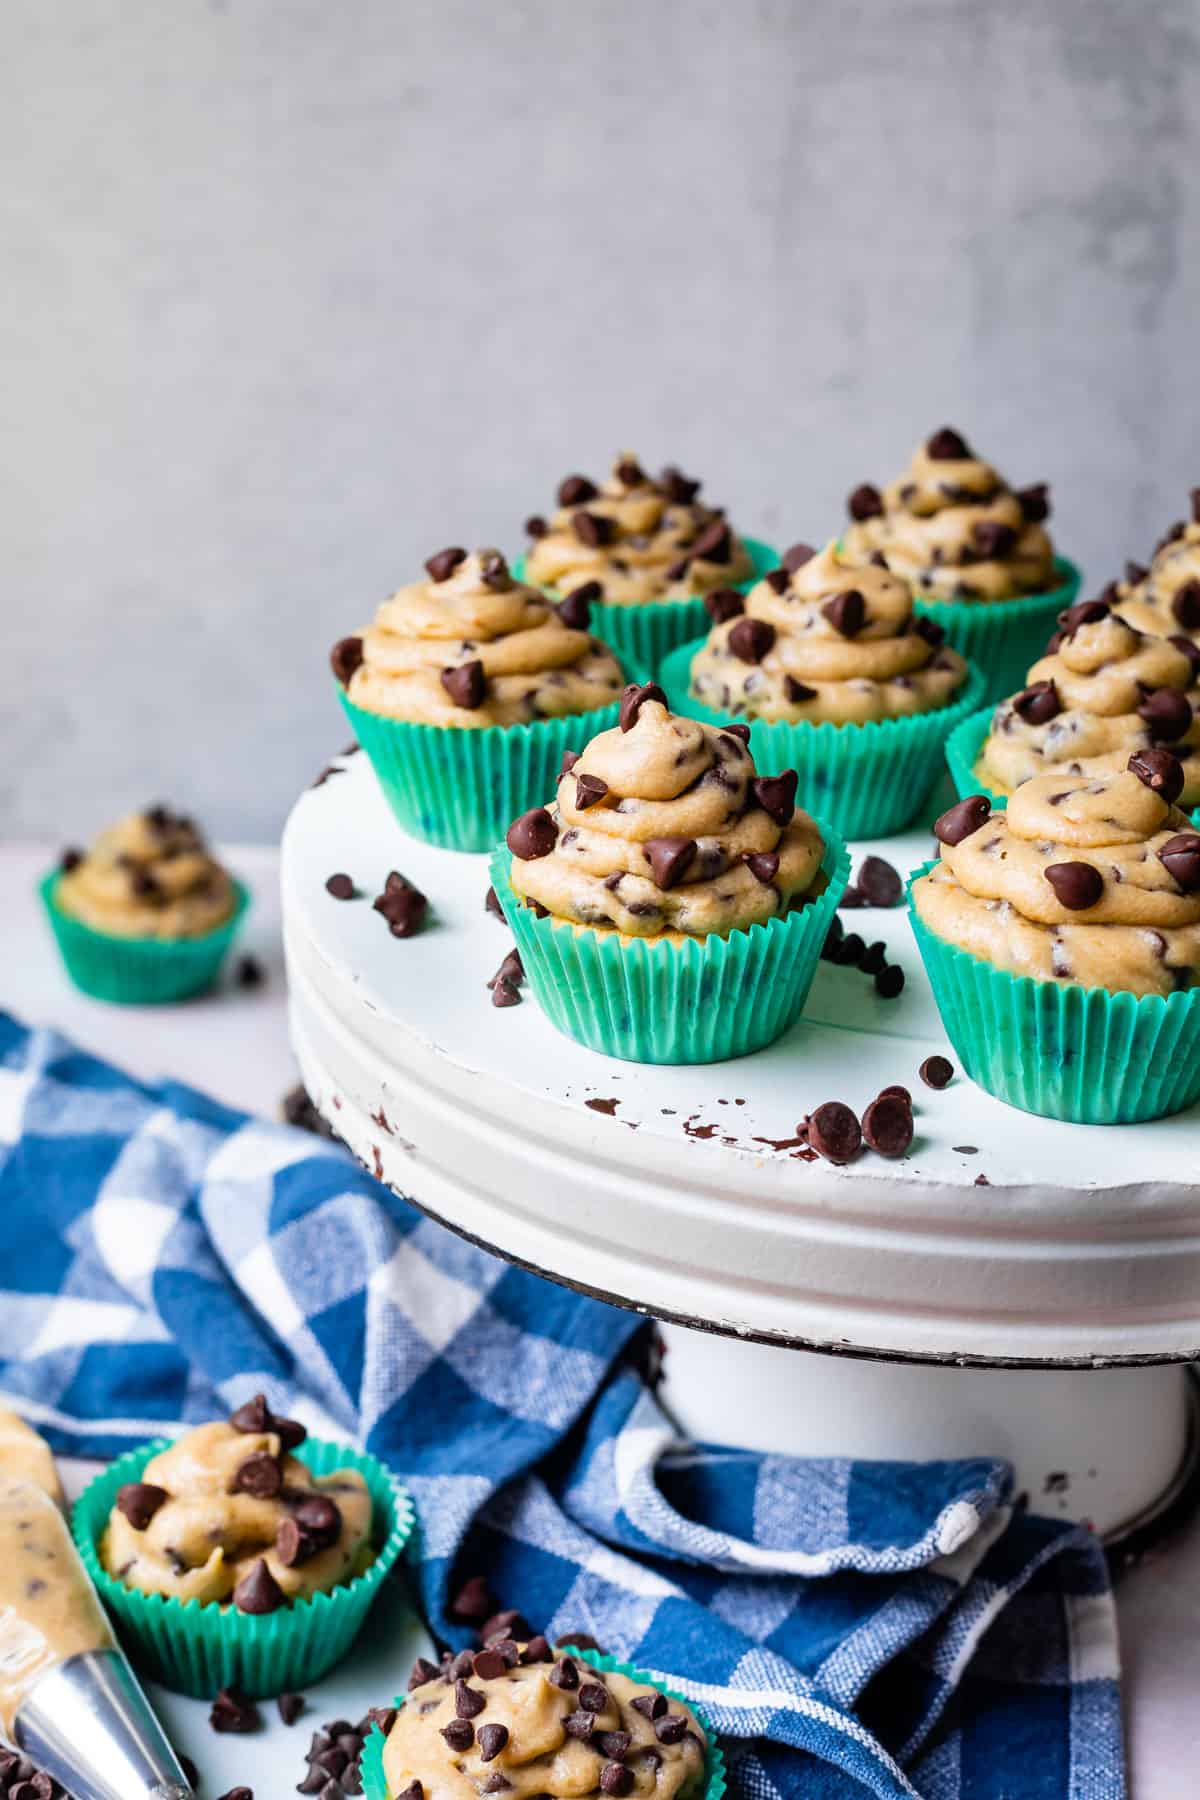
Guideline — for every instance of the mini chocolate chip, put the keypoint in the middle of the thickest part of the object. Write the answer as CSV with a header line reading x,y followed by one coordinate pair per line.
x,y
724,603
589,791
1084,612
669,858
930,630
846,612
795,557
1180,856
715,543
796,691
751,639
776,580
879,882
1167,713
139,1501
459,1734
575,490
1034,502
651,1706
402,905
993,538
468,1701
259,1592
536,526
776,794
1078,885
345,657
593,1696
887,1125
1186,605
615,1778
492,1739
1038,704
634,698
889,982
962,820
489,1664
466,684
937,1071
260,1476
443,563
70,859
947,446
533,835
341,887
231,1711
565,1674
575,610
834,1133
865,502
762,864
290,1706
1160,771
537,1650
593,529
671,1728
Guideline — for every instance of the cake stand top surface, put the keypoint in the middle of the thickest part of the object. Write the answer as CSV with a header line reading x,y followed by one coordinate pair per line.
x,y
685,1191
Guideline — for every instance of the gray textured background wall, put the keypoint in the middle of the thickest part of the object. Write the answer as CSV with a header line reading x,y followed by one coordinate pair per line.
x,y
295,292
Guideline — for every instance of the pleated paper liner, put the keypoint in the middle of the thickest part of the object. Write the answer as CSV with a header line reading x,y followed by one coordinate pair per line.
x,y
867,780
1003,638
462,789
139,971
644,634
371,1762
962,753
1061,1050
196,1648
654,1001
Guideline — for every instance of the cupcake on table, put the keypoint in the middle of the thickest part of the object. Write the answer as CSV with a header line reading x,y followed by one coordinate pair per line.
x,y
1166,596
645,550
1062,941
839,680
975,551
1104,690
464,691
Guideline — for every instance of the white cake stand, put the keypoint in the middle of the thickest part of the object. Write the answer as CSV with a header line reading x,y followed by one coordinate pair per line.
x,y
1045,1313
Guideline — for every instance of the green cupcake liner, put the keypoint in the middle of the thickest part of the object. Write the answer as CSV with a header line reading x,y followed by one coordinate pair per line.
x,y
462,789
371,1762
867,780
196,1648
704,1001
1062,1050
1004,638
139,971
962,753
645,634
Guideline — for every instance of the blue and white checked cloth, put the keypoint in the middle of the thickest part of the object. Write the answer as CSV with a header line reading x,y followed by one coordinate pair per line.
x,y
852,1629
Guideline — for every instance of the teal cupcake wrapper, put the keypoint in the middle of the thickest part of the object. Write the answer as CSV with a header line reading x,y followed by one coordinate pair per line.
x,y
139,971
657,1002
962,753
1062,1050
462,789
196,1648
867,780
1003,638
716,1779
644,635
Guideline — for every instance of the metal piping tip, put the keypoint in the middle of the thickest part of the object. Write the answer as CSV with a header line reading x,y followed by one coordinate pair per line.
x,y
87,1722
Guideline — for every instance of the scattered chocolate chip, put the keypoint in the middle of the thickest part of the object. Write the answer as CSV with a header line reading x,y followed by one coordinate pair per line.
x,y
402,905
796,691
879,883
444,562
533,835
1084,612
887,1125
1078,885
593,1696
341,887
846,612
670,1729
473,1601
459,1734
724,603
651,1706
751,639
593,529
1038,704
259,1592
231,1712
1034,502
763,865
290,1706
189,1768
249,973
1180,856
896,1092
670,858
947,446
615,1778
589,791
565,1674
633,699
512,969
776,794
504,992
576,490
238,1793
492,1739
834,1133
345,657
260,1476
536,526
1168,715
849,950
1186,605
889,982
139,1501
962,820
865,502
1160,771
993,538
575,610
937,1071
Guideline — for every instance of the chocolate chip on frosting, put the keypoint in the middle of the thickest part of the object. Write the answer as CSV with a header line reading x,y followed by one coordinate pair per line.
x,y
1034,502
796,555
615,1778
961,821
442,564
260,1476
593,529
575,610
1168,714
259,1592
796,691
865,502
763,865
724,603
776,794
670,858
1180,857
466,684
589,791
139,1501
345,657
993,538
1186,605
1160,771
634,698
1038,704
492,1740
534,834
459,1734
846,612
751,639
777,580
576,490
947,446
1084,612
715,543
1078,885
536,526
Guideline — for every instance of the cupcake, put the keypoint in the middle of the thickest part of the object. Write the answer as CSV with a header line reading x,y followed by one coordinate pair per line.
x,y
147,914
241,1554
1062,941
525,1718
839,680
671,904
645,552
975,551
1105,690
1166,596
465,691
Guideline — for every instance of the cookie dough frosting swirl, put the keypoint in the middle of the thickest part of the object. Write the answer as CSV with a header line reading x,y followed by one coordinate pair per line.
x,y
228,1514
1090,879
470,647
663,828
639,538
1105,690
525,1720
953,527
1166,596
819,639
150,875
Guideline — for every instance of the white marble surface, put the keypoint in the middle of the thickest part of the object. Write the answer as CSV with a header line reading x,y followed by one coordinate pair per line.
x,y
234,1044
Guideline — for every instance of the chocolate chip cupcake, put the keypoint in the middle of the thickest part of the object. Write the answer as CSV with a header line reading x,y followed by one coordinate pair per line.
x,y
244,1554
1104,690
670,905
1165,597
526,1719
839,680
644,551
974,550
1062,941
464,691
147,914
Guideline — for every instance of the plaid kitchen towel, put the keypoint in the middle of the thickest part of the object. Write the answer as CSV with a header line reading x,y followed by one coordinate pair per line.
x,y
851,1629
